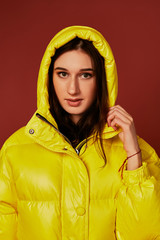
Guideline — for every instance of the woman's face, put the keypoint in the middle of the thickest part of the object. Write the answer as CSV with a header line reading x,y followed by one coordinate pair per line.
x,y
74,82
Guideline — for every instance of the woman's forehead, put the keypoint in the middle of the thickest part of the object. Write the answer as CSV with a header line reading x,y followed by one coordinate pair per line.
x,y
74,59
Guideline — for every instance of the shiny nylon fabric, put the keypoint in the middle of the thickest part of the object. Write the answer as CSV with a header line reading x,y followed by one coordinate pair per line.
x,y
47,191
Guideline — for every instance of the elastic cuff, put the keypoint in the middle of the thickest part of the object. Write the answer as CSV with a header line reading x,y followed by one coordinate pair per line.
x,y
136,176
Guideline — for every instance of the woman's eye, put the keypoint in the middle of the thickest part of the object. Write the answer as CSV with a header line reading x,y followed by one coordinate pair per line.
x,y
62,74
86,75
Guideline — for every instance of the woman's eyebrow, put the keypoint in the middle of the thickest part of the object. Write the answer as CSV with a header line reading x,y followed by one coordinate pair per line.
x,y
60,68
83,69
87,69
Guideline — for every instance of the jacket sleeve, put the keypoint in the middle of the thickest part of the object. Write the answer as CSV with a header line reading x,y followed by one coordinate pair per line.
x,y
8,213
138,201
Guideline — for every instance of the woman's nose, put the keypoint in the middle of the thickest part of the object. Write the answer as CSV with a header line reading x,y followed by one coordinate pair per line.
x,y
73,86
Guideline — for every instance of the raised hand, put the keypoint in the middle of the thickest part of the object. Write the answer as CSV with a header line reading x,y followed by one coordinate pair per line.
x,y
119,118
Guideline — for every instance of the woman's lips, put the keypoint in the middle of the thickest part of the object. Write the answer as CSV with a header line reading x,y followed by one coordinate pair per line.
x,y
74,102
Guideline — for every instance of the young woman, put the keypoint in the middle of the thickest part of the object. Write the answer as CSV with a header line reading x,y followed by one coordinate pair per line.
x,y
77,171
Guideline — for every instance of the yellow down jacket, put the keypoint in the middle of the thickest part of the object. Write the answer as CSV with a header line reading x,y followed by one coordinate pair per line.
x,y
50,191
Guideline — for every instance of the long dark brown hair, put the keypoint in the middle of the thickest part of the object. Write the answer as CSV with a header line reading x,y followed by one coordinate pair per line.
x,y
94,119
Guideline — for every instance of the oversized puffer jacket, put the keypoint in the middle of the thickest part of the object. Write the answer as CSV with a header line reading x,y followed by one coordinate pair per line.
x,y
51,191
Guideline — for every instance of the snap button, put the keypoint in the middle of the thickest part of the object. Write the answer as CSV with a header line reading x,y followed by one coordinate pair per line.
x,y
80,211
31,131
65,148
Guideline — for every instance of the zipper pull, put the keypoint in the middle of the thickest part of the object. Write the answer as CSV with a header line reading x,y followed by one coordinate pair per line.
x,y
77,151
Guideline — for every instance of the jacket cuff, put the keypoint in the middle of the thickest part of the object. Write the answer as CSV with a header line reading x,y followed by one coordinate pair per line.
x,y
136,176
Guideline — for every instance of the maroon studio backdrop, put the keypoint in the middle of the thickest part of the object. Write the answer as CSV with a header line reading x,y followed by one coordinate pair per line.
x,y
132,29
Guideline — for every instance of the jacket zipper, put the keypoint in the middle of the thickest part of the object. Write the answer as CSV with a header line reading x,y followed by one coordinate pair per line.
x,y
79,146
77,149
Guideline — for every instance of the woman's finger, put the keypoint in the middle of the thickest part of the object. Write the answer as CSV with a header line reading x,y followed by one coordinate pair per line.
x,y
121,110
119,122
119,107
118,114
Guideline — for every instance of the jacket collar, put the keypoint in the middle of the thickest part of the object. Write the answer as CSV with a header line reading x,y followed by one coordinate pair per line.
x,y
45,132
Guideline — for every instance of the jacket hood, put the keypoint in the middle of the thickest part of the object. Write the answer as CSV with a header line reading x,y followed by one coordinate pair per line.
x,y
59,40
45,134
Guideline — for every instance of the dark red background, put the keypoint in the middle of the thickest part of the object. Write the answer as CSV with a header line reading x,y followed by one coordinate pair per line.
x,y
132,29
